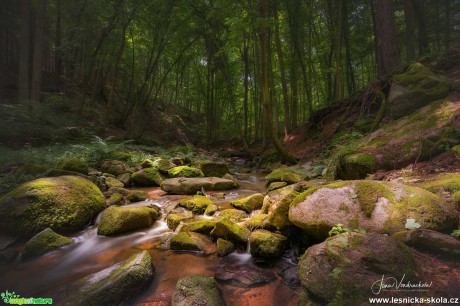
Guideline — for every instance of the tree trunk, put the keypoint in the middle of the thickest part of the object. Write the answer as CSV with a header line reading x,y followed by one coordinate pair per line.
x,y
24,52
410,29
265,82
387,44
38,51
57,50
338,93
447,24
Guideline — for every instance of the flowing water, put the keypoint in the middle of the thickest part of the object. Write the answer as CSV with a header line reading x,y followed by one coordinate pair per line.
x,y
48,275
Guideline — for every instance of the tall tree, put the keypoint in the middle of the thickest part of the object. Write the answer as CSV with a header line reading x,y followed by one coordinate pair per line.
x,y
24,52
38,51
409,18
387,43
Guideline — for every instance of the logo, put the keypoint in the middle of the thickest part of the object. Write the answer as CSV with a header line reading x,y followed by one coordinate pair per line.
x,y
15,299
392,284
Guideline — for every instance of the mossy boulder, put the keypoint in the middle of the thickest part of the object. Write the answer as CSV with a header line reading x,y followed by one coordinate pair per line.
x,y
115,284
413,89
137,196
148,177
224,247
283,174
146,163
278,212
43,242
276,185
329,270
193,185
118,220
115,167
197,204
258,222
185,171
229,230
163,165
356,166
113,182
374,206
125,178
265,244
233,214
183,242
197,290
211,210
175,218
65,204
212,168
431,242
73,164
116,199
201,226
249,203
446,182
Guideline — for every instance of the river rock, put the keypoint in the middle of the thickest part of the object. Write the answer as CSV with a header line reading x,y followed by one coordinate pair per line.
x,y
229,230
233,214
374,206
73,164
212,168
65,204
352,265
258,222
147,177
224,247
163,165
431,241
185,171
117,220
115,167
197,290
249,203
283,174
265,244
193,185
115,284
244,275
356,166
43,242
113,182
197,204
201,226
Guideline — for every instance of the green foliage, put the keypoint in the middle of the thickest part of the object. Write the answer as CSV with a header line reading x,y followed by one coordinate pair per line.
x,y
455,234
340,229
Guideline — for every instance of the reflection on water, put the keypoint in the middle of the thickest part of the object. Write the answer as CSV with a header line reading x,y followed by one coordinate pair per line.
x,y
48,275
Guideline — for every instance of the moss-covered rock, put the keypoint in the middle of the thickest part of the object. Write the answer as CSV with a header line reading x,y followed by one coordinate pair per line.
x,y
211,210
211,168
431,242
163,165
185,171
276,185
265,244
113,182
117,220
73,164
193,185
116,199
356,166
224,247
249,203
197,204
147,177
115,167
415,88
65,204
146,163
113,285
446,182
43,242
183,242
229,230
233,214
202,226
278,213
258,222
283,174
197,290
328,270
125,178
137,196
374,206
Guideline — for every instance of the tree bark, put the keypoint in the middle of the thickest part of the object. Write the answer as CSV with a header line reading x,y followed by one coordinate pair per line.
x,y
387,44
38,51
24,53
409,19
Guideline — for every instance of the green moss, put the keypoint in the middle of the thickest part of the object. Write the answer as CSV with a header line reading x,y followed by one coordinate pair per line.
x,y
115,167
224,247
73,164
113,183
250,203
185,171
197,204
414,74
456,198
116,199
265,244
173,220
117,220
356,166
302,196
229,230
43,242
233,214
449,182
163,165
258,222
368,194
147,177
183,242
202,226
65,204
344,207
137,196
211,210
283,174
278,215
276,185
211,168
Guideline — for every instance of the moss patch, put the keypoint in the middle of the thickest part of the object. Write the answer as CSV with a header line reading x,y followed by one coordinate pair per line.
x,y
211,168
233,214
73,164
449,182
224,247
147,177
183,242
117,220
356,166
265,244
250,203
368,194
185,171
202,226
197,204
43,242
229,230
283,174
116,199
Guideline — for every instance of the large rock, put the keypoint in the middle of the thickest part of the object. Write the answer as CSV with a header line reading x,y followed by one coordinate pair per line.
x,y
413,89
201,226
284,174
43,242
163,165
224,247
211,168
233,214
197,204
190,241
115,284
431,241
65,204
113,183
117,220
265,244
346,269
249,203
147,177
115,167
374,206
356,166
73,164
229,230
244,275
185,171
193,185
197,290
